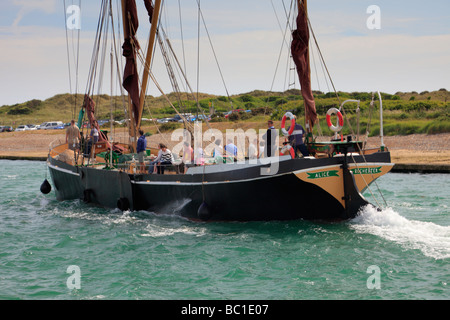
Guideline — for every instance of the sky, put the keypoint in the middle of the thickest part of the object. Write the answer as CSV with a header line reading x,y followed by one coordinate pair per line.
x,y
409,50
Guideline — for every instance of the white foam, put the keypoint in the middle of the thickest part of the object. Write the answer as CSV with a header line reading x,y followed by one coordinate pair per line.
x,y
431,239
156,231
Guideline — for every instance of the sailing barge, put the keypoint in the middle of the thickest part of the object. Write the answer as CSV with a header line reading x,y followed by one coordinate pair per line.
x,y
326,185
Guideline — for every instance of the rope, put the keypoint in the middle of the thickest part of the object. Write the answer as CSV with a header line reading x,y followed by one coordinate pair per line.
x,y
374,180
212,48
76,55
286,28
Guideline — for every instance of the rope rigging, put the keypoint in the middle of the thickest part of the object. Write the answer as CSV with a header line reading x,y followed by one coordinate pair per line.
x,y
75,54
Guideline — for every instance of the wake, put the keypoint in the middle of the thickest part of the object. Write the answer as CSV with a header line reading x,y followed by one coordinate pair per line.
x,y
431,239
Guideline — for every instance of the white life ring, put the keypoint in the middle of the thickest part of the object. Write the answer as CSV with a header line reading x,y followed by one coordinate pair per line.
x,y
283,123
340,123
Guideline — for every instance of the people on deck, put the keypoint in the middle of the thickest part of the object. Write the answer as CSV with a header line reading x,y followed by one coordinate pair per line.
x,y
253,149
93,138
140,149
231,150
218,151
188,155
73,136
94,132
296,140
199,156
270,137
164,158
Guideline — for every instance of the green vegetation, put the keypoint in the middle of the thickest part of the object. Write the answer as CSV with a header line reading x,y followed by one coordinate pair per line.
x,y
404,113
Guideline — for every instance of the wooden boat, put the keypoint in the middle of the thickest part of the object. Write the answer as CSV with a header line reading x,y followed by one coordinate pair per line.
x,y
326,185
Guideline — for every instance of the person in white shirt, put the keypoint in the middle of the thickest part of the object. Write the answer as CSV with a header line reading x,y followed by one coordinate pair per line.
x,y
218,151
253,149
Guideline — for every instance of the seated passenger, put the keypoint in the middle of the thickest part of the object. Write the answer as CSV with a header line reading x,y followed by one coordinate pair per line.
x,y
163,159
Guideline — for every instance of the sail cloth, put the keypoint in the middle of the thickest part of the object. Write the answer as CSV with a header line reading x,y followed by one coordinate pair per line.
x,y
130,46
300,55
149,7
89,106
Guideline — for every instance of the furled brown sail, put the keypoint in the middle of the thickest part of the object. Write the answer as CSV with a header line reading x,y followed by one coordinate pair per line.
x,y
130,46
300,55
89,106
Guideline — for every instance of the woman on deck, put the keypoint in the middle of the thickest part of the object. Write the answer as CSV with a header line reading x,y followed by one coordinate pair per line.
x,y
163,159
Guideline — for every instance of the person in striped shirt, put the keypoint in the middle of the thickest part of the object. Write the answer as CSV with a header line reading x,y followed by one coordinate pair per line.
x,y
163,159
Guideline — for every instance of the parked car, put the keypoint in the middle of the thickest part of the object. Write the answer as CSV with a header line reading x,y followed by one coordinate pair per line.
x,y
41,126
233,111
22,127
176,118
163,120
199,118
6,129
31,127
179,118
53,125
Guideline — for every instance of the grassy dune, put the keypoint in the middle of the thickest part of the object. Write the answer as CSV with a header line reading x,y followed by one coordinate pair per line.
x,y
404,113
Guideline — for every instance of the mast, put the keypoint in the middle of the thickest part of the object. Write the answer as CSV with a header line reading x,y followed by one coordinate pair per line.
x,y
148,60
308,124
305,5
300,55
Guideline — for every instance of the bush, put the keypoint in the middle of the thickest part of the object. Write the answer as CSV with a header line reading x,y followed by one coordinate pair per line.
x,y
19,110
280,101
247,98
169,126
237,116
217,117
262,110
222,98
436,127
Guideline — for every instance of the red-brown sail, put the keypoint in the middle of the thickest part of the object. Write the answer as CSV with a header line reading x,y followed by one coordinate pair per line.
x,y
89,106
130,46
149,7
300,55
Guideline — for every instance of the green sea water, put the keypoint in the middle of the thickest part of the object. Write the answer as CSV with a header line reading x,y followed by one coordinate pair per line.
x,y
73,251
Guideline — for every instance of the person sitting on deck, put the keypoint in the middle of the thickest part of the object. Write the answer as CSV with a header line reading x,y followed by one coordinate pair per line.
x,y
218,151
231,150
163,159
187,156
253,149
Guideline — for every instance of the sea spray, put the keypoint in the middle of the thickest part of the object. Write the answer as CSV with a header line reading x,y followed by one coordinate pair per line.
x,y
431,239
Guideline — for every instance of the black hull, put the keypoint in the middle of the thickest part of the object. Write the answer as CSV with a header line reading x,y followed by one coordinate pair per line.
x,y
224,193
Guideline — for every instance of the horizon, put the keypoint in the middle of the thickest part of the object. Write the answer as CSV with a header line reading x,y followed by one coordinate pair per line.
x,y
247,43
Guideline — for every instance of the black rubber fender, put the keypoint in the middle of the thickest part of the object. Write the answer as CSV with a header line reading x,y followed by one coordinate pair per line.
x,y
87,195
204,212
46,187
123,204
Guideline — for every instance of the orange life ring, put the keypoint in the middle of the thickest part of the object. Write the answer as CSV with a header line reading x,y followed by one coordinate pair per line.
x,y
283,123
340,123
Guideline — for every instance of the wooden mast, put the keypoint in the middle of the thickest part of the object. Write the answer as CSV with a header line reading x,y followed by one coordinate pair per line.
x,y
131,124
148,60
304,3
